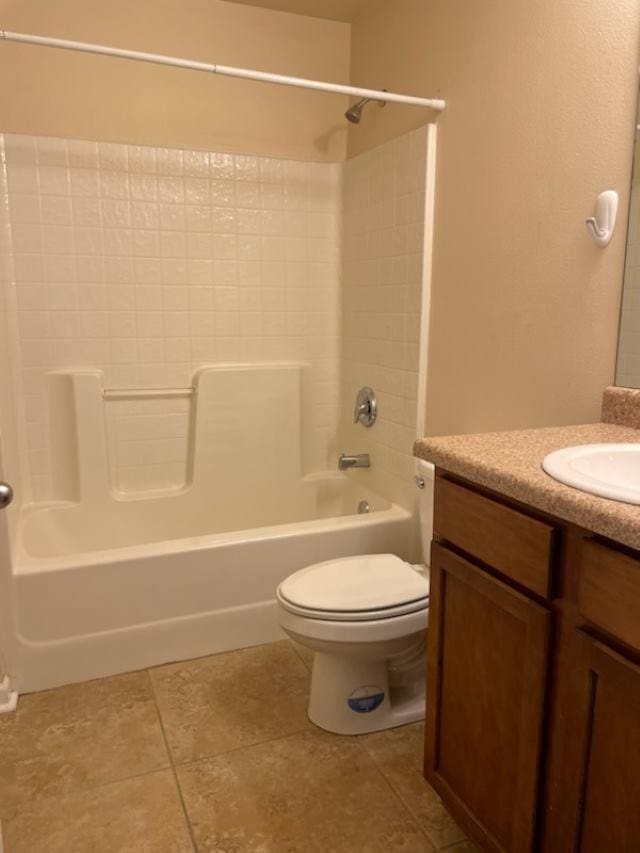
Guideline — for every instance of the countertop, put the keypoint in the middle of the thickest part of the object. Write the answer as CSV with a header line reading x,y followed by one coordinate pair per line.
x,y
510,463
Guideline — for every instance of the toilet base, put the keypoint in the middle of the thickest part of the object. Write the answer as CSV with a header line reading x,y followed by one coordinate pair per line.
x,y
352,696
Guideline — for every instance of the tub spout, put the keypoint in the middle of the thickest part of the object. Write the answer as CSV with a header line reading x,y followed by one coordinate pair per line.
x,y
358,460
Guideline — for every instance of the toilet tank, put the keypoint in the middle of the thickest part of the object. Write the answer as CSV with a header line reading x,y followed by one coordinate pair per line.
x,y
425,476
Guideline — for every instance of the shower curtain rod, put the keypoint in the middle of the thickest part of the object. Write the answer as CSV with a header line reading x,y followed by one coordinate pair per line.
x,y
226,70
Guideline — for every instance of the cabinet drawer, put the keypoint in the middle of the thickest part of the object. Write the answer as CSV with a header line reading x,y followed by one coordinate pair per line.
x,y
515,544
609,591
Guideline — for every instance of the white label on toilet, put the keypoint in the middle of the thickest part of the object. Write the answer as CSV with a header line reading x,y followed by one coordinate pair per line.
x,y
366,699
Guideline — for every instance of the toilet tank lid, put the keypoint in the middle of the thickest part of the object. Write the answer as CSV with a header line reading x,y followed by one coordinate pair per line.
x,y
365,582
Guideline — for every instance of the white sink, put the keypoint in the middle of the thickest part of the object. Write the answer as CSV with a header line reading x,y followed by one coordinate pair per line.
x,y
608,470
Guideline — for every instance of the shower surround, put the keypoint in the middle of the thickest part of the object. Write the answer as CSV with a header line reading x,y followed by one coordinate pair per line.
x,y
186,329
148,263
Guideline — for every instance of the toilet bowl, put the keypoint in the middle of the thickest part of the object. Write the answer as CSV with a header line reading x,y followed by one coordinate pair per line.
x,y
365,618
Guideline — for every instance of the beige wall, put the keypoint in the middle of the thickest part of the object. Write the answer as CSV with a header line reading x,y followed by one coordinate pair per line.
x,y
628,362
541,100
56,93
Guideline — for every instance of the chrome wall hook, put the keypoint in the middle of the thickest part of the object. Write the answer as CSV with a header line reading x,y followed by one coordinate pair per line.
x,y
602,225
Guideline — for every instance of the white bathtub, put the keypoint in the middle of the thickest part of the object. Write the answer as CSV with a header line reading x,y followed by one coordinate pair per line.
x,y
142,583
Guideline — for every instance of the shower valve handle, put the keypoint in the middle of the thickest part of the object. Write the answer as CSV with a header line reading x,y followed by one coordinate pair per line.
x,y
366,408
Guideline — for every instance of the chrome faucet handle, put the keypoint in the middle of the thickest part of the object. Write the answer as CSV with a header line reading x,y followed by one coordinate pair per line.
x,y
366,409
362,409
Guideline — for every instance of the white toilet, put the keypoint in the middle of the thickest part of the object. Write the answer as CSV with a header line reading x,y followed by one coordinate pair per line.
x,y
365,618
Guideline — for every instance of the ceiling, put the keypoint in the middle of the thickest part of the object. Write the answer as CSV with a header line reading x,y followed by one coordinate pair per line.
x,y
332,10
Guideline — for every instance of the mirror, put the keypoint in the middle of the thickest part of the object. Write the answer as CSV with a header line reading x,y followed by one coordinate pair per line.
x,y
628,362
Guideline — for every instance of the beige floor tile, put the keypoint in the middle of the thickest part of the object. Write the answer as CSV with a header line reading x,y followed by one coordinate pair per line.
x,y
226,701
311,791
78,736
465,846
399,753
142,815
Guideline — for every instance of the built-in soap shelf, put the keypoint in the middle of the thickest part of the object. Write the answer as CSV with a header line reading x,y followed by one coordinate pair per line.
x,y
146,393
233,426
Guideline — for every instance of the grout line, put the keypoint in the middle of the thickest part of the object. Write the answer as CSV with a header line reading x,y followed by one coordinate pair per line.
x,y
172,766
184,661
176,763
395,794
88,786
408,807
74,792
226,752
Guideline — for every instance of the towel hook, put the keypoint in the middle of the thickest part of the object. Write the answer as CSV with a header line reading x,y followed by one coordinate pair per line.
x,y
602,225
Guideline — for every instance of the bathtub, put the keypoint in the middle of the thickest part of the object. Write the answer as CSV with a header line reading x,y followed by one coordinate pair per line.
x,y
142,582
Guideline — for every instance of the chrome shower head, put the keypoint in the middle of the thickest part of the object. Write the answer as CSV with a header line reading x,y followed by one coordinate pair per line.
x,y
354,113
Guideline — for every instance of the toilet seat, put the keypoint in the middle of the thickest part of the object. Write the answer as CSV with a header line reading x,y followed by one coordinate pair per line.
x,y
356,589
356,615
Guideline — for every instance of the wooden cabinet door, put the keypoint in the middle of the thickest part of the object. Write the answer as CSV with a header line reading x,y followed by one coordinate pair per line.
x,y
609,810
487,666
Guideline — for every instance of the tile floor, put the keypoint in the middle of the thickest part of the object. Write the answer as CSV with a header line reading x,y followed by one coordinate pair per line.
x,y
214,754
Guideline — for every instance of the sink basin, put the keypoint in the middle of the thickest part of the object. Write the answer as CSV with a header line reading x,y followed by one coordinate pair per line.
x,y
608,470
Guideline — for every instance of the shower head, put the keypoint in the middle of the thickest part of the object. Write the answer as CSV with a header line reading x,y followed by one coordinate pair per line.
x,y
354,113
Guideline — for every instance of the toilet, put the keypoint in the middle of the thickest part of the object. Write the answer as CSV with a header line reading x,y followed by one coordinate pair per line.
x,y
365,618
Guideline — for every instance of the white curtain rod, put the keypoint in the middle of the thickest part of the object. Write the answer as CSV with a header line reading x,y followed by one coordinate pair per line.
x,y
227,70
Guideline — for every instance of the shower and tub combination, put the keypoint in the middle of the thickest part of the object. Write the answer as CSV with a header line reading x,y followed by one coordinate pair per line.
x,y
184,334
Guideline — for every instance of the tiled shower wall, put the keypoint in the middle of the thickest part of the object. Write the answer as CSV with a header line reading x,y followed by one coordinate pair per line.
x,y
383,241
13,445
148,443
148,263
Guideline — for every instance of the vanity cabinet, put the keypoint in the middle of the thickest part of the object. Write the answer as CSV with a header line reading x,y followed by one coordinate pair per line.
x,y
488,651
533,683
609,802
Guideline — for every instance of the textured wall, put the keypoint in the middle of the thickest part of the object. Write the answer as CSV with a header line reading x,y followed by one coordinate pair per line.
x,y
540,116
56,93
628,364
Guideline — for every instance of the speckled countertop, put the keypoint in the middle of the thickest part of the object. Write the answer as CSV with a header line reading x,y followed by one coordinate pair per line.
x,y
509,463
